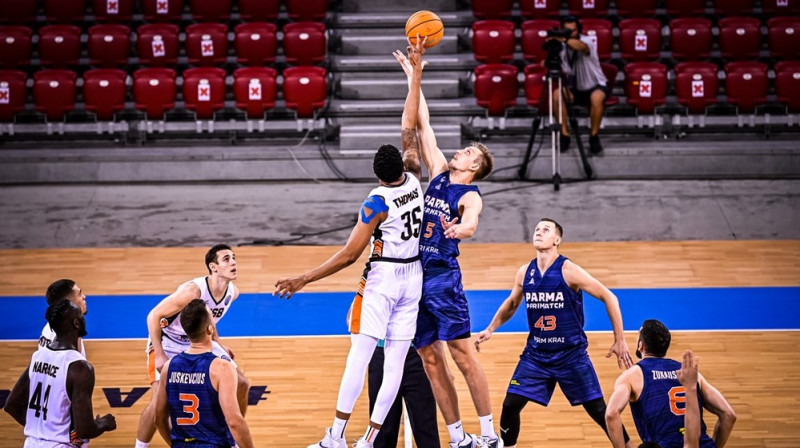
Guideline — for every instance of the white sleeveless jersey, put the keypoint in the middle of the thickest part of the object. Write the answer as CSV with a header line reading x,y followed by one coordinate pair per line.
x,y
48,335
398,236
172,328
48,422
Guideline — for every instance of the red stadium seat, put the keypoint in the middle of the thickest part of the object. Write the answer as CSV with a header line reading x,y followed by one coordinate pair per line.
x,y
259,10
491,9
64,11
109,45
534,32
610,71
496,87
113,10
539,9
690,39
104,92
696,85
685,8
599,30
305,89
204,91
787,84
646,85
781,7
640,39
304,43
739,38
157,44
733,7
307,10
493,41
54,92
255,89
784,37
636,8
154,91
746,85
588,8
535,83
256,43
59,45
210,11
162,10
15,46
21,12
13,93
207,44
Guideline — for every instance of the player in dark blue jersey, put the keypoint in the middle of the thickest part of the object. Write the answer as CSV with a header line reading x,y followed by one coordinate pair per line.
x,y
197,396
658,399
552,287
452,208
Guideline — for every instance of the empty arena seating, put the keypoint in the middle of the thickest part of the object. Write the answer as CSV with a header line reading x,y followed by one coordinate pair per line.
x,y
781,7
15,46
534,33
54,92
640,39
21,12
733,7
59,45
204,91
535,82
162,10
493,41
539,9
64,11
255,90
599,30
109,45
113,10
746,85
307,10
588,8
304,43
784,37
739,38
207,44
305,89
258,10
256,43
610,71
685,8
210,11
13,93
787,84
491,9
157,44
696,85
690,38
104,92
154,91
646,85
496,87
636,8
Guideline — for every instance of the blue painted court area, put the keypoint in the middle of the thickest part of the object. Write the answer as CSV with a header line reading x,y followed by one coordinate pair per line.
x,y
316,314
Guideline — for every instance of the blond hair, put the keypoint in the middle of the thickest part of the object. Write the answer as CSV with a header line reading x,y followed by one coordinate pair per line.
x,y
486,162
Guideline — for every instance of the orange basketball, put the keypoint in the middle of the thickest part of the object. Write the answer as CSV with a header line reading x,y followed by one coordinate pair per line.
x,y
425,23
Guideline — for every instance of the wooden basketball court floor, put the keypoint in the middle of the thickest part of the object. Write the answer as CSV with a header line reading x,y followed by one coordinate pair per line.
x,y
758,371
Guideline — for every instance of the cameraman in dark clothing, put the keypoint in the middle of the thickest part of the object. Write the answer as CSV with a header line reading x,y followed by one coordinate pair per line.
x,y
586,84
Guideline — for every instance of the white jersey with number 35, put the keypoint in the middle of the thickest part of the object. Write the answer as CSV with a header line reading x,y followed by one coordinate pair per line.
x,y
398,236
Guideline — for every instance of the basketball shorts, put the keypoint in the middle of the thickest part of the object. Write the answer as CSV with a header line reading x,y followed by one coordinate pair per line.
x,y
443,310
387,301
575,375
172,348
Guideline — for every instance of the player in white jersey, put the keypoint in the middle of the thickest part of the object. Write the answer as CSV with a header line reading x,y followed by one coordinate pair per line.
x,y
167,338
64,289
387,301
53,397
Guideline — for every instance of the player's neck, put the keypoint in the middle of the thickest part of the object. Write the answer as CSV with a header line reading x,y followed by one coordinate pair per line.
x,y
195,348
545,258
396,183
217,285
67,342
461,177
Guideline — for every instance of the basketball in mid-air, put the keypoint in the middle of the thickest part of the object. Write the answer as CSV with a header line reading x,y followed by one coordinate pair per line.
x,y
425,23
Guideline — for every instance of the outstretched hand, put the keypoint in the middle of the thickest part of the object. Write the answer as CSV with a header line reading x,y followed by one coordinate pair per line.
x,y
451,229
414,60
482,337
285,288
620,348
687,375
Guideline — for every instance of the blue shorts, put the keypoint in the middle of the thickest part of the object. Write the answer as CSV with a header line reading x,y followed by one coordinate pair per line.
x,y
574,374
443,311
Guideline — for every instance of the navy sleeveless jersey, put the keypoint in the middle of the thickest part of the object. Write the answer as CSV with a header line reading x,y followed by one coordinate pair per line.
x,y
555,314
441,199
194,410
659,411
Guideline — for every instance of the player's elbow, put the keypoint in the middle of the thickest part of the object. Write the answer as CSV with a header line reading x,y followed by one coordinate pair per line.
x,y
729,415
236,423
612,416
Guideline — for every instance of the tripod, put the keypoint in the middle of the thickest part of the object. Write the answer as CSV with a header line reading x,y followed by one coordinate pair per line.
x,y
555,133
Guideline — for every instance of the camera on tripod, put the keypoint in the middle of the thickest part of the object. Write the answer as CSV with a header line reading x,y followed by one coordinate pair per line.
x,y
553,48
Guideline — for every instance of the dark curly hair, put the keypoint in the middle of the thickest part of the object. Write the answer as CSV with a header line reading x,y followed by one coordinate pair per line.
x,y
59,290
656,337
388,164
59,311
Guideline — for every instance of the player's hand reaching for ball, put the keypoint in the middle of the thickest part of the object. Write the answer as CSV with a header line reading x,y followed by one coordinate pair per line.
x,y
414,59
287,287
482,337
687,375
620,348
106,422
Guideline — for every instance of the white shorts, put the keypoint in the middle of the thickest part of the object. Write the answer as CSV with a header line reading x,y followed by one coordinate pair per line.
x,y
387,301
172,348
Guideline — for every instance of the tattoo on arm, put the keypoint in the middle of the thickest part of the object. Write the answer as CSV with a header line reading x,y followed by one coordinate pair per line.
x,y
411,151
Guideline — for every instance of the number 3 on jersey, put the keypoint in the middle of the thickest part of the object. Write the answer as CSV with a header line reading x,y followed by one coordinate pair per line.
x,y
546,323
190,409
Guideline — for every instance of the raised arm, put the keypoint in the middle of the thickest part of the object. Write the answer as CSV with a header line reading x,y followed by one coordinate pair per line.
x,y
373,211
616,404
80,384
170,306
162,409
411,108
470,206
577,278
687,375
224,377
506,310
17,403
715,402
